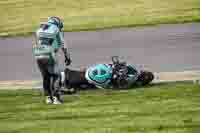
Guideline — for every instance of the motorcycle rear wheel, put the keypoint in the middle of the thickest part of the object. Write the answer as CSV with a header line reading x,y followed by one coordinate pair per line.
x,y
145,78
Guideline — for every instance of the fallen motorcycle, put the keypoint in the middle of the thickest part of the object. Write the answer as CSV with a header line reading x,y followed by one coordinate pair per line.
x,y
76,78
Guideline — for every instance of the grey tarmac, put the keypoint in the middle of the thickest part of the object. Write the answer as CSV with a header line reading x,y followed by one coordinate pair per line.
x,y
161,48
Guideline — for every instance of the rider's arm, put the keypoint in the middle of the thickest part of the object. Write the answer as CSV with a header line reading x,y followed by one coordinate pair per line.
x,y
62,41
65,48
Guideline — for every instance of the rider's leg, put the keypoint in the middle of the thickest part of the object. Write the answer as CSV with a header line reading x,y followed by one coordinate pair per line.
x,y
57,86
46,80
56,83
46,84
48,88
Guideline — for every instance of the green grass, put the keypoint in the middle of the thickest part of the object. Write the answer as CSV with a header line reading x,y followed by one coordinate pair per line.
x,y
164,108
22,17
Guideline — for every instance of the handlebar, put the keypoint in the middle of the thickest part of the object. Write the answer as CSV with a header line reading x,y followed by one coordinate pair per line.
x,y
115,60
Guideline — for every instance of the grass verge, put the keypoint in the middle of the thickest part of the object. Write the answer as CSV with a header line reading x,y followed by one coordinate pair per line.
x,y
162,108
19,17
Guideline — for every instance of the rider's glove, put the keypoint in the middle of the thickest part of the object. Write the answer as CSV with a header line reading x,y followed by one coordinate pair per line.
x,y
67,57
67,61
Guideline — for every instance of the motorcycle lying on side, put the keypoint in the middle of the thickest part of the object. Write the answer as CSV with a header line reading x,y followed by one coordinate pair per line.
x,y
75,79
122,70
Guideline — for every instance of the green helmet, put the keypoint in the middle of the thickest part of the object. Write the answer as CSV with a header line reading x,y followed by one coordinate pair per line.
x,y
56,21
100,73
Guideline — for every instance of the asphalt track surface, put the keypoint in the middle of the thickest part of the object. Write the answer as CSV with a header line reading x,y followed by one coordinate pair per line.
x,y
158,48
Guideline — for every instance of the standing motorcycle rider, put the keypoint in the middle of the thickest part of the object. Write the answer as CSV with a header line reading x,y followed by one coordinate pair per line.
x,y
49,40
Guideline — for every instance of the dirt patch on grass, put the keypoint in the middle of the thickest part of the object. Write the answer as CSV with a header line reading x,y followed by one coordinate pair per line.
x,y
177,76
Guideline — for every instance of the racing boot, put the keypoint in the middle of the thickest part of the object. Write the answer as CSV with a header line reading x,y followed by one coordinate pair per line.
x,y
49,100
57,100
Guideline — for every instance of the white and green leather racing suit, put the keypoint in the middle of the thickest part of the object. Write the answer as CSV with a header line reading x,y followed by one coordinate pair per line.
x,y
49,40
